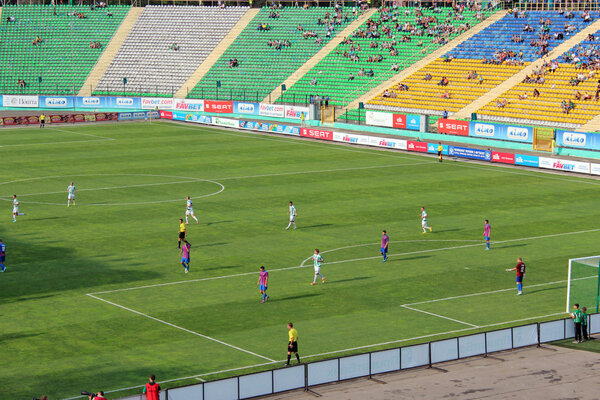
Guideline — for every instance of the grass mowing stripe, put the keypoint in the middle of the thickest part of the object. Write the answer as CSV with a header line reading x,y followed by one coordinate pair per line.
x,y
179,327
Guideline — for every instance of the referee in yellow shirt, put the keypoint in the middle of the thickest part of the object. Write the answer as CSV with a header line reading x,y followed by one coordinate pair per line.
x,y
181,231
292,344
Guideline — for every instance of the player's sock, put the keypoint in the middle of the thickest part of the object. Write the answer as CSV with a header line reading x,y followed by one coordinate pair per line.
x,y
288,360
294,225
195,219
179,244
21,214
186,220
488,245
315,279
288,227
520,287
264,296
298,358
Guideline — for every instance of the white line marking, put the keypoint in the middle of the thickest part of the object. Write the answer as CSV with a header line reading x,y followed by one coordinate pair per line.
x,y
440,316
180,328
335,352
343,261
80,133
64,142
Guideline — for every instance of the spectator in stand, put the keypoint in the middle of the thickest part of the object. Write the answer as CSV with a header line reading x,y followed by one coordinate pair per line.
x,y
427,77
11,19
443,82
152,389
536,93
445,95
313,82
351,76
445,114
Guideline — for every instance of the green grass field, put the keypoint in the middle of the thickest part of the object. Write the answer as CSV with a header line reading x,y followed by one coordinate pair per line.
x,y
132,180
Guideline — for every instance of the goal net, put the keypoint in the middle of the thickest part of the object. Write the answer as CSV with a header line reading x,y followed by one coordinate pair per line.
x,y
583,284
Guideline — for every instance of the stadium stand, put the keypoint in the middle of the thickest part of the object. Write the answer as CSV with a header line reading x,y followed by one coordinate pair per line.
x,y
260,67
59,44
564,92
481,63
166,45
388,42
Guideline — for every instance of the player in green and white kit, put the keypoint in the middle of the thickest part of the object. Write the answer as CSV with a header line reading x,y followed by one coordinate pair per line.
x,y
424,221
71,190
189,210
292,212
317,261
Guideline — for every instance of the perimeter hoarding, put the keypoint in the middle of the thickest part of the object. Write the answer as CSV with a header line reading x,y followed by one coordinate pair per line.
x,y
491,130
578,140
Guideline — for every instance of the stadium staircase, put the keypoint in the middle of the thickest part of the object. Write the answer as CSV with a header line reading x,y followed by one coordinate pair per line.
x,y
426,96
110,51
314,60
217,52
544,110
263,68
592,125
425,61
64,58
147,58
332,73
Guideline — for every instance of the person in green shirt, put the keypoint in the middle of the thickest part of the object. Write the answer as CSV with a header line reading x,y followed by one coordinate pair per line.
x,y
576,315
584,323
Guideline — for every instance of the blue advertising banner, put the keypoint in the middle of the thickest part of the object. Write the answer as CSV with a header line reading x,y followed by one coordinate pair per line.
x,y
267,127
245,108
126,116
201,119
578,140
91,102
56,102
526,160
125,102
433,148
466,152
413,122
502,132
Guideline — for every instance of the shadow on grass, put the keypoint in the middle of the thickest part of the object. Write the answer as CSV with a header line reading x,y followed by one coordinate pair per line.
x,y
299,296
16,336
315,226
217,222
358,278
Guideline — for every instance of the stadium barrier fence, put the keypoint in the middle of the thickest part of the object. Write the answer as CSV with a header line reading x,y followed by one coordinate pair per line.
x,y
366,365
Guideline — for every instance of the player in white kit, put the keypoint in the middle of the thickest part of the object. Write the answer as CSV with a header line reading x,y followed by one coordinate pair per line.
x,y
71,190
292,213
317,261
424,221
15,210
189,210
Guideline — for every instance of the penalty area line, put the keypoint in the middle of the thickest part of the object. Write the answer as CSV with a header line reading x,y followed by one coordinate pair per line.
x,y
180,328
440,316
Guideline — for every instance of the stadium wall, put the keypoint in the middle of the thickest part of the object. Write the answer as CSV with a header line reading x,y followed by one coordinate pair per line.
x,y
338,369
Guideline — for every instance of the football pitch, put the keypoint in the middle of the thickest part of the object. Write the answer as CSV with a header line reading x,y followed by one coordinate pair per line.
x,y
94,297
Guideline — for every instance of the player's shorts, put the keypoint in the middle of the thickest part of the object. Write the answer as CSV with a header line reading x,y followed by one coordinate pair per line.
x,y
439,153
189,211
424,222
71,196
384,250
262,288
292,218
317,270
519,278
185,260
487,238
2,259
15,210
181,235
293,347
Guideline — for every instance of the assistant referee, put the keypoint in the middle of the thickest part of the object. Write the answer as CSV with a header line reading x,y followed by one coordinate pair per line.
x,y
181,231
292,344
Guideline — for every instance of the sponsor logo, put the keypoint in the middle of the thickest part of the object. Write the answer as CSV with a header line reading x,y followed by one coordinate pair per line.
x,y
246,108
517,133
20,101
559,165
218,106
350,139
486,130
124,101
505,158
386,143
56,101
190,105
90,101
271,110
417,146
453,127
295,112
317,134
574,139
399,121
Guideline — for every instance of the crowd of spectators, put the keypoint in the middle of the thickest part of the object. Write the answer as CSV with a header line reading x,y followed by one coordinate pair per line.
x,y
95,45
279,44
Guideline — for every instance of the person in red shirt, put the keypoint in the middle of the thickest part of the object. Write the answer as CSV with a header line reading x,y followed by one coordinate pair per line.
x,y
520,270
152,389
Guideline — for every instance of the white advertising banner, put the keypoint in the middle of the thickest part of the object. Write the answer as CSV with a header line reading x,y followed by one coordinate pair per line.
x,y
271,110
379,119
227,122
399,144
295,112
9,100
150,103
565,165
188,104
350,138
595,169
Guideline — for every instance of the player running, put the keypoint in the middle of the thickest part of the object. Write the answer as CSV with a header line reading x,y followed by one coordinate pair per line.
x,y
181,232
424,221
263,281
317,261
292,213
15,211
2,256
185,255
487,230
189,210
71,190
520,269
385,241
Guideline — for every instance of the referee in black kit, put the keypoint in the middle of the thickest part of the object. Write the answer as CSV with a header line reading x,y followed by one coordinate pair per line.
x,y
292,344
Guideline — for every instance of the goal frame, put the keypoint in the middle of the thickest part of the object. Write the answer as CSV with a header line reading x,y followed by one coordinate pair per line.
x,y
567,308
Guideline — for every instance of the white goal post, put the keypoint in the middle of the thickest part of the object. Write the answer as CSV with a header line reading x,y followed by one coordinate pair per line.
x,y
583,283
